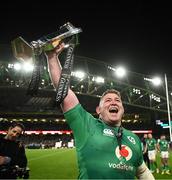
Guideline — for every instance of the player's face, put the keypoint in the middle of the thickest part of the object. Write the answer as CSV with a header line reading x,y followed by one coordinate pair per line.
x,y
111,109
149,136
14,133
162,137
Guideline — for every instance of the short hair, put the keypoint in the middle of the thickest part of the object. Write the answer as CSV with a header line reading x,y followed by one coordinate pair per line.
x,y
113,91
14,124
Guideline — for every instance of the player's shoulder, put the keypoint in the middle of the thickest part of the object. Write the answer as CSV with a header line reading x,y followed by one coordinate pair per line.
x,y
129,133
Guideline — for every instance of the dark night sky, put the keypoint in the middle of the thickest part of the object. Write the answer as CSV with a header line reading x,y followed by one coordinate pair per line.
x,y
135,34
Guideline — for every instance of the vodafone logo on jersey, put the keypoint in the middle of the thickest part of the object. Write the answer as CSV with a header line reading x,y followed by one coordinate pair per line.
x,y
123,155
125,152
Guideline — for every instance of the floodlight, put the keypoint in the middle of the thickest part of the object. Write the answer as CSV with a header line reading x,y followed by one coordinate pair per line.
x,y
99,79
156,81
28,67
120,72
79,74
17,66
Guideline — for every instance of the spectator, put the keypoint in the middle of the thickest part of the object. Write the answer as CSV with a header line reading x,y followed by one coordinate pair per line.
x,y
12,152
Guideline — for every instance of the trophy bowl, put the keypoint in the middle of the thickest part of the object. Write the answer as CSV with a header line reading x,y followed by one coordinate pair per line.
x,y
23,50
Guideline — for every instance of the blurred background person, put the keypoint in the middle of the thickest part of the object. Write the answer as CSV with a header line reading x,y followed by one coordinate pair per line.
x,y
145,150
163,147
152,151
12,153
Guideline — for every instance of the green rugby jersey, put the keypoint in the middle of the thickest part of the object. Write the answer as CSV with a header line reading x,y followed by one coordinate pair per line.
x,y
151,144
97,148
163,145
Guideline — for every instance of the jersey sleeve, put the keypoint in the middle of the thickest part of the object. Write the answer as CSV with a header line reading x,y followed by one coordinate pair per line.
x,y
80,122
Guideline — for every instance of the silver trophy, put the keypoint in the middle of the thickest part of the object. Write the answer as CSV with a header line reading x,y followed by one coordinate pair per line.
x,y
23,50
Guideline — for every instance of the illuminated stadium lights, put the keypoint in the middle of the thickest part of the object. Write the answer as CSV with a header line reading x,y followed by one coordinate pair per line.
x,y
82,86
111,68
78,74
129,120
156,81
136,91
136,116
28,67
42,81
152,96
147,79
120,72
17,66
10,66
90,89
98,79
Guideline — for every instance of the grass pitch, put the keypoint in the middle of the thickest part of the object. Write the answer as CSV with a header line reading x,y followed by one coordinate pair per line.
x,y
52,163
62,164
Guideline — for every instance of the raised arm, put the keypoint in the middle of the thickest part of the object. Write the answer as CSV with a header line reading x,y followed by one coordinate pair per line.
x,y
54,67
